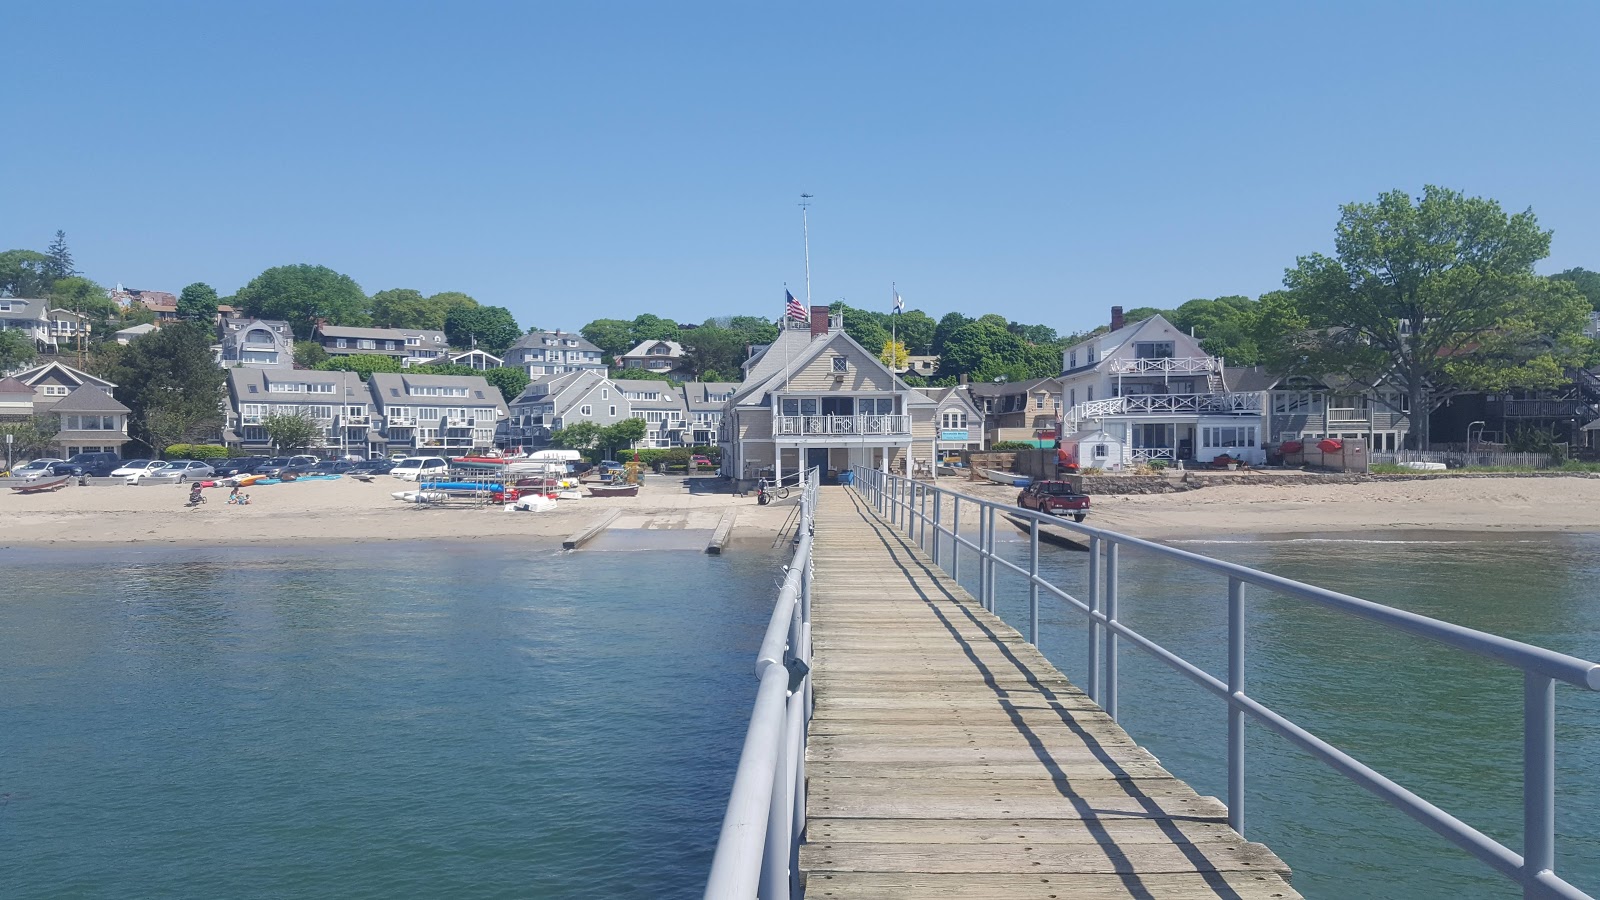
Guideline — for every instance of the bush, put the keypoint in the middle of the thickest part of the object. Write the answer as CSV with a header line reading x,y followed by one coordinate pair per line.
x,y
1009,446
196,451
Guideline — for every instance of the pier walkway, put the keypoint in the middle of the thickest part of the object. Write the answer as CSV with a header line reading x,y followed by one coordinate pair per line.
x,y
947,758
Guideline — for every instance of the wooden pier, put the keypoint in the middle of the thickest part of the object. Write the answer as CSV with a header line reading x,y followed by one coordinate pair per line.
x,y
949,759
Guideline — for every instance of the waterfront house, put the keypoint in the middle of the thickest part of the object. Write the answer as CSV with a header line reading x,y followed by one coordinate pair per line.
x,y
555,401
814,397
481,360
53,381
661,406
30,316
89,420
1019,411
412,346
1310,408
1164,399
337,401
254,343
437,414
653,356
541,353
67,327
703,402
959,419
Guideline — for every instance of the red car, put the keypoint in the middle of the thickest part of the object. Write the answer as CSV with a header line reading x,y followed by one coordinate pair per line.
x,y
1056,498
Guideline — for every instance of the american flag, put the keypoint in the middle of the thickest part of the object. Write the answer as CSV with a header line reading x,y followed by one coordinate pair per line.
x,y
793,310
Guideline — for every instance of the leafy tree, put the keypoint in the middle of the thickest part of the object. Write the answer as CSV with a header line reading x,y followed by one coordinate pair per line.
x,y
30,437
24,273
985,350
406,308
646,375
444,369
1138,314
894,355
1437,297
648,327
577,436
1227,327
170,383
309,354
490,328
511,382
135,314
290,431
198,303
754,329
60,264
363,364
614,337
1587,283
302,295
16,350
869,329
88,299
624,434
1033,334
710,351
915,329
946,326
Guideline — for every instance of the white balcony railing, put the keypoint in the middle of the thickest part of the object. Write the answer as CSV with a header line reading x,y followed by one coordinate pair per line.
x,y
872,425
355,420
1167,404
401,421
1167,365
1145,454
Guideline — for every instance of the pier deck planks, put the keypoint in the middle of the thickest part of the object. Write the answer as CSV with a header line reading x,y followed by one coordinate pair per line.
x,y
948,759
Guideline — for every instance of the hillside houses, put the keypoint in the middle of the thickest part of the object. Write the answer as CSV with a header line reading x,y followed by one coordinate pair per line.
x,y
674,416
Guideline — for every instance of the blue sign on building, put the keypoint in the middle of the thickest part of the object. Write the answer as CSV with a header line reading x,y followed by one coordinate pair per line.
x,y
953,435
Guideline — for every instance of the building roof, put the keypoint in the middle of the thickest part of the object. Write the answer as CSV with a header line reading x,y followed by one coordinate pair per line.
x,y
395,388
698,394
1249,379
88,398
379,334
347,385
674,349
35,374
788,355
989,389
136,330
543,339
10,385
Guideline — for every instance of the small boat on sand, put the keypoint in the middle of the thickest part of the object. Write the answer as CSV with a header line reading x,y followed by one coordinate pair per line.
x,y
43,486
613,490
1006,478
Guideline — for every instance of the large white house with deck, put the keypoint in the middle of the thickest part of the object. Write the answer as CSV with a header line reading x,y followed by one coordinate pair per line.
x,y
1159,394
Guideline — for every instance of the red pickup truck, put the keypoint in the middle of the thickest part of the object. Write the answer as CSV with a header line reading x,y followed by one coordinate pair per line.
x,y
1056,498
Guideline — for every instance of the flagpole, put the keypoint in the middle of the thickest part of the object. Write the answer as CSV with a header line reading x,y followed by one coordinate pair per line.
x,y
894,329
805,233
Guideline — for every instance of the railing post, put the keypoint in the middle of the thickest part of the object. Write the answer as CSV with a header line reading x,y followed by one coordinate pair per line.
x,y
922,519
1538,780
1235,712
1110,703
938,506
993,511
1033,583
1093,686
955,542
983,555
775,855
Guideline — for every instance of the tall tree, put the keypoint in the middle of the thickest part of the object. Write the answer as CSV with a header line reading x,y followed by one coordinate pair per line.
x,y
1437,296
309,354
754,329
302,295
198,303
24,273
650,327
60,265
915,329
16,350
406,308
1227,327
440,304
946,327
490,328
1587,283
985,350
614,337
713,354
867,328
581,435
30,437
170,383
894,355
291,431
511,382
623,434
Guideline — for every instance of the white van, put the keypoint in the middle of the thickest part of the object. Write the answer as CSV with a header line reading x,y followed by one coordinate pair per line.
x,y
416,468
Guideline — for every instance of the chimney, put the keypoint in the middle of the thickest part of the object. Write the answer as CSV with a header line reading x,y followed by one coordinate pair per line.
x,y
963,380
819,320
1116,318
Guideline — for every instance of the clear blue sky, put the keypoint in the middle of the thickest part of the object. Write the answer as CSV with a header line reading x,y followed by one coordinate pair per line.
x,y
577,160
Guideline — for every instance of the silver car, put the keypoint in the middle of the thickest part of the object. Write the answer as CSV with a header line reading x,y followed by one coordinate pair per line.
x,y
181,470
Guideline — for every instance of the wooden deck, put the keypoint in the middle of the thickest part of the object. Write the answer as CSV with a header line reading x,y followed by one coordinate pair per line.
x,y
948,758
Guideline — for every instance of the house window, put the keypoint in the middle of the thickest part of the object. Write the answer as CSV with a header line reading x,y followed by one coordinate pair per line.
x,y
1072,397
954,420
341,343
366,345
1100,451
1090,395
1072,360
613,409
1153,349
585,410
605,393
413,342
840,364
1038,401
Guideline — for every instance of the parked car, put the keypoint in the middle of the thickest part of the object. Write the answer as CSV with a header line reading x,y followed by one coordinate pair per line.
x,y
182,470
1056,498
700,460
332,467
239,465
279,466
37,468
98,465
136,468
415,468
373,467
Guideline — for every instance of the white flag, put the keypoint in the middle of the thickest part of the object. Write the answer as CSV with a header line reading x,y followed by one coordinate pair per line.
x,y
899,305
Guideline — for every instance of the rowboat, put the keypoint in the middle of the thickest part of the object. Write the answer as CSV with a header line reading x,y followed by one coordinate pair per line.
x,y
613,490
1006,478
43,486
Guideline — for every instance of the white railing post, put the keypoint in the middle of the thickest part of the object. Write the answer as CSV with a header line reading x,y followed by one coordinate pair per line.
x,y
1093,686
1033,582
955,542
1235,710
938,507
1538,780
1110,686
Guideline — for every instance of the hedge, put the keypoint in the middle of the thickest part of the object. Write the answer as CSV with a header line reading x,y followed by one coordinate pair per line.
x,y
672,456
196,451
1007,446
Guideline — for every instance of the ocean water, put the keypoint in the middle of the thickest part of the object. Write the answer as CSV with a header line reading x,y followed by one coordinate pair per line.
x,y
1443,723
447,721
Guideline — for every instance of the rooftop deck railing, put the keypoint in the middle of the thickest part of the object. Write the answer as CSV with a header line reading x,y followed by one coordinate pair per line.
x,y
758,849
917,509
1166,365
1161,404
842,425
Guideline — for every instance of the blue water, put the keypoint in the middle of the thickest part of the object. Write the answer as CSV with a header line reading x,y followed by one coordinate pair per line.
x,y
1442,723
449,721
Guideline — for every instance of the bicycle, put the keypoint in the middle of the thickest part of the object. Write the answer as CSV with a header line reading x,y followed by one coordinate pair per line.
x,y
765,496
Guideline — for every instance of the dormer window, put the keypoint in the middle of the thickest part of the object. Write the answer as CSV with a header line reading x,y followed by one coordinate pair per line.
x,y
840,364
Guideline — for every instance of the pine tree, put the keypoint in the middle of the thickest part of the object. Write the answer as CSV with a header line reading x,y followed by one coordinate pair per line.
x,y
60,264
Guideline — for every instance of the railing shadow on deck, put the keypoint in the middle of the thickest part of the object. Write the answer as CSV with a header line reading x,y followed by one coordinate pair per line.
x,y
904,504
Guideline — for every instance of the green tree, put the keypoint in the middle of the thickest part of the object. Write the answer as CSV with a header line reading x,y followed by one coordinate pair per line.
x,y
309,354
1228,327
30,437
577,436
406,308
646,375
24,273
894,355
170,383
511,382
198,303
441,303
915,329
623,434
946,327
1033,334
614,337
60,264
135,314
490,328
1437,296
754,329
302,295
16,350
1139,314
984,350
290,431
363,364
1587,283
711,353
88,299
869,329
648,327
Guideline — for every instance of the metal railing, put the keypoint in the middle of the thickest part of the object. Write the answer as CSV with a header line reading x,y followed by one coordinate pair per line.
x,y
758,850
917,509
843,425
1157,404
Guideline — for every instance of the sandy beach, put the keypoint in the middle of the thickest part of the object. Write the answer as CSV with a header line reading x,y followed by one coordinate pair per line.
x,y
348,511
